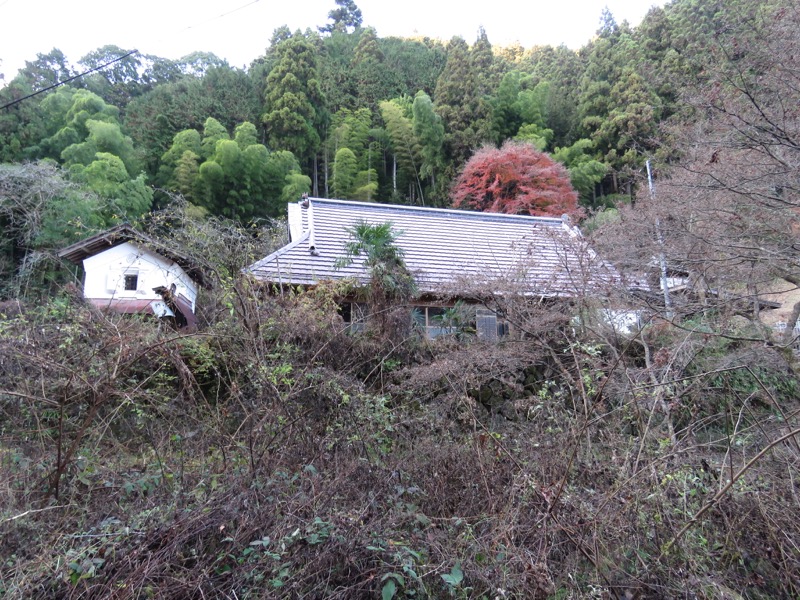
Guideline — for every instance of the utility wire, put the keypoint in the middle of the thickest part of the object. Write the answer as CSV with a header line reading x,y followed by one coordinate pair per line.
x,y
230,12
74,77
103,66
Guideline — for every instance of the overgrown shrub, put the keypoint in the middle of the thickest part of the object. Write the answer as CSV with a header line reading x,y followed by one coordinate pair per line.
x,y
272,453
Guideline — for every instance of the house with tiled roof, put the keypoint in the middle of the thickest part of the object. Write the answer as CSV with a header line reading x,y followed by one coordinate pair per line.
x,y
451,253
126,271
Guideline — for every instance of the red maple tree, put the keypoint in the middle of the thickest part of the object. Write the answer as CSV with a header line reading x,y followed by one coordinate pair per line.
x,y
516,179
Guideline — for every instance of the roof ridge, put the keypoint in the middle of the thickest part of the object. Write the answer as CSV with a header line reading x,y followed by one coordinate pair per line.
x,y
429,210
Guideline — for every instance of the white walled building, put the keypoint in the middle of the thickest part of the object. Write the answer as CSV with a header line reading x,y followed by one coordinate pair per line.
x,y
124,273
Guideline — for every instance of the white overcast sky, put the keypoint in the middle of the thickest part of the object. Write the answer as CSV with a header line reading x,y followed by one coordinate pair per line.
x,y
239,30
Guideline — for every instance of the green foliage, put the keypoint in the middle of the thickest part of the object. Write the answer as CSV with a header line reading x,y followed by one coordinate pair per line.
x,y
585,172
107,176
344,173
335,70
102,138
294,99
454,577
429,131
368,48
239,179
185,141
366,185
351,129
561,69
67,116
506,119
87,138
415,63
284,181
153,119
213,132
48,69
618,107
41,211
372,78
390,279
461,95
377,242
185,177
404,143
520,110
297,184
344,18
120,82
245,135
200,63
479,94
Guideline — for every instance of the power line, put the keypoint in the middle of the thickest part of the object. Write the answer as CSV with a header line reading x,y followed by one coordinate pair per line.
x,y
200,24
230,12
74,77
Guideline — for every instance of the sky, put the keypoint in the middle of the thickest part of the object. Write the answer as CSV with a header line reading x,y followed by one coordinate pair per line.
x,y
239,30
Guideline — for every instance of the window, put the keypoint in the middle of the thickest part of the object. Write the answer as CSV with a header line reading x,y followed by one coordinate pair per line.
x,y
346,312
354,314
131,282
438,320
436,314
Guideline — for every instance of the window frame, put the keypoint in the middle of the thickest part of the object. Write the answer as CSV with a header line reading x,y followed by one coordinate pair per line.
x,y
129,279
354,314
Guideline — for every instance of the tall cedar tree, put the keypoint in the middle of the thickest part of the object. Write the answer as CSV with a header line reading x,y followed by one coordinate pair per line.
x,y
517,179
467,79
294,99
345,18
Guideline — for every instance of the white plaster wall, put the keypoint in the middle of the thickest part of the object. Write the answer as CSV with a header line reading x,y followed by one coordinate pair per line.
x,y
295,218
105,274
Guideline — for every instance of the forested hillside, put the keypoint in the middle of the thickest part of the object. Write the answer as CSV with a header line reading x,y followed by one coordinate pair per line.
x,y
273,453
364,117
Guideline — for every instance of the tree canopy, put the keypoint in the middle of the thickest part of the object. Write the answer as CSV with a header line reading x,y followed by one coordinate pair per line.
x,y
411,110
376,244
516,179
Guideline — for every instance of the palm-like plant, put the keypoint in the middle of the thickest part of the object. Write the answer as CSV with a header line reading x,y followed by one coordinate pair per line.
x,y
390,279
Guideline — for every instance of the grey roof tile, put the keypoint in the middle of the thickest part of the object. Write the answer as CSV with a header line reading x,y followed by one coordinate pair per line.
x,y
444,249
